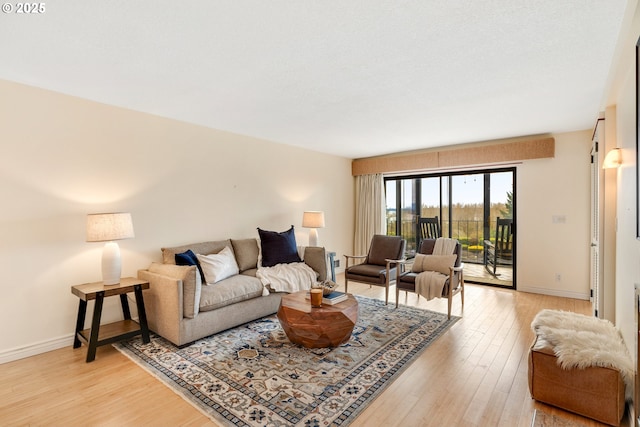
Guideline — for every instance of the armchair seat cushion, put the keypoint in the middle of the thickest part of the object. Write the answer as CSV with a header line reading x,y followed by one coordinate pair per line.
x,y
370,273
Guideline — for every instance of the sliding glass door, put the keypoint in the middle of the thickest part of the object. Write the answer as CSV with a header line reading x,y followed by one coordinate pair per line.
x,y
467,206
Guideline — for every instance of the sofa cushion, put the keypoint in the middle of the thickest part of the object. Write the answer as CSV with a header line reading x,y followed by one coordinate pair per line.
x,y
191,284
229,291
278,247
189,258
203,248
439,263
246,252
217,267
250,272
316,258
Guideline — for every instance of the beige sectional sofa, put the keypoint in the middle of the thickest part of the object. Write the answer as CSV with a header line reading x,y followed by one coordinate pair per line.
x,y
182,309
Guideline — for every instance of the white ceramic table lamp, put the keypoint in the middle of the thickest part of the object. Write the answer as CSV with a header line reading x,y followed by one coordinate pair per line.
x,y
107,227
313,220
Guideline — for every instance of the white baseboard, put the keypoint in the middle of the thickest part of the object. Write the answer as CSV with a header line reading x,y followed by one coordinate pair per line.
x,y
39,348
34,349
554,292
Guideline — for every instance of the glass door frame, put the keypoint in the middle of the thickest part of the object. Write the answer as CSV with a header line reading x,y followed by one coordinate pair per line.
x,y
448,175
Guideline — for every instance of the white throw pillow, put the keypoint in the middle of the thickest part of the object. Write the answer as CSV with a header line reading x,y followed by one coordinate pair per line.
x,y
439,263
217,267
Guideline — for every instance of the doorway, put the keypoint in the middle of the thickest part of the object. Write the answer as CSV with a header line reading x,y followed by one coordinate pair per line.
x,y
469,206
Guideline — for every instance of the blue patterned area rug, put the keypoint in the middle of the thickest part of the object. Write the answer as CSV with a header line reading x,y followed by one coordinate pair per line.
x,y
543,419
253,375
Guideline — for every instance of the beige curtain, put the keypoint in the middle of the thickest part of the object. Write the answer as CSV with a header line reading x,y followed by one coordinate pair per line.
x,y
370,211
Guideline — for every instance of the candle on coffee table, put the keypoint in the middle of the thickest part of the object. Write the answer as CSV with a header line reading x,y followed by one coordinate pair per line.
x,y
316,297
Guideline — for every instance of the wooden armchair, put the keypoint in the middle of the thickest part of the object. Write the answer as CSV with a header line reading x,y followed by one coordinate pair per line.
x,y
380,265
500,253
454,284
428,228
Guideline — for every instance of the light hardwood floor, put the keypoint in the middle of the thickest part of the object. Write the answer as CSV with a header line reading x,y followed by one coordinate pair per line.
x,y
474,375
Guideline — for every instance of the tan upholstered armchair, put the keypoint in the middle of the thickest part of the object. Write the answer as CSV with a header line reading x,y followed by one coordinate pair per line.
x,y
453,284
380,266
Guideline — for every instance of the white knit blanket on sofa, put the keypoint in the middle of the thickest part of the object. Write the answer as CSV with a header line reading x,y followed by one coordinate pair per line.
x,y
580,341
292,277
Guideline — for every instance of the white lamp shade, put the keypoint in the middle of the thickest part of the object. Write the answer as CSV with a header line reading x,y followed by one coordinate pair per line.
x,y
105,227
313,219
108,227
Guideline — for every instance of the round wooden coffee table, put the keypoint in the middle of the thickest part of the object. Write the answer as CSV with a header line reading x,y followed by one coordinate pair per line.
x,y
311,327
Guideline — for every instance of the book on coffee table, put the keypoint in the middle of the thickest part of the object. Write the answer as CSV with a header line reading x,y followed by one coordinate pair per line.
x,y
334,297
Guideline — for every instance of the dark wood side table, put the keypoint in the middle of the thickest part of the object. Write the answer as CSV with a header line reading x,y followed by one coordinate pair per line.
x,y
106,334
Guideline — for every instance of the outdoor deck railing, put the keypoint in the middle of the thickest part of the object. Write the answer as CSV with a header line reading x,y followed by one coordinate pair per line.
x,y
470,233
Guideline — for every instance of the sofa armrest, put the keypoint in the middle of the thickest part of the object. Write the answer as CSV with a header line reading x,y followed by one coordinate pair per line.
x,y
190,284
163,304
163,296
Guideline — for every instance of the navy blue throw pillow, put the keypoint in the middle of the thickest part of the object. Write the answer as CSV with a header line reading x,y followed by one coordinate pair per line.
x,y
189,258
278,247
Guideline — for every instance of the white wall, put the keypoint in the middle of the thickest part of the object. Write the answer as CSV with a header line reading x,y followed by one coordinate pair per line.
x,y
548,188
62,157
627,246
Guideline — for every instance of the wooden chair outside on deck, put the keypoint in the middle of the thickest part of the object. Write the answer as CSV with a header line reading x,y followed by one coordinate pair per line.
x,y
500,253
427,228
380,266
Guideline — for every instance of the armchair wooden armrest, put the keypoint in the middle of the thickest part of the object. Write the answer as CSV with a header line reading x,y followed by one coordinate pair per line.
x,y
394,262
402,264
460,268
352,258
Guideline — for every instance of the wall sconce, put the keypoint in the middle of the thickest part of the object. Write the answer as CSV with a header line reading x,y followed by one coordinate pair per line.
x,y
313,220
108,227
613,159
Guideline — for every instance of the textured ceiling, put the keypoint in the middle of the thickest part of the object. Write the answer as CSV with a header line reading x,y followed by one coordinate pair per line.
x,y
352,78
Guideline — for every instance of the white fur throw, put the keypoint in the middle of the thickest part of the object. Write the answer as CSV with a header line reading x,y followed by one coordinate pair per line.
x,y
580,341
